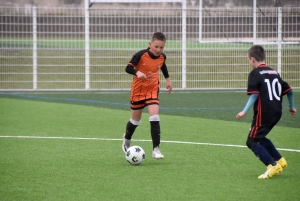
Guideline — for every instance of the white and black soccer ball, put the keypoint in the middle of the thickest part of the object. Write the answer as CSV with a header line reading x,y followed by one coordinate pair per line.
x,y
135,155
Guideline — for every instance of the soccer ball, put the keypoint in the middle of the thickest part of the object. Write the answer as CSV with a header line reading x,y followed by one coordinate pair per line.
x,y
135,155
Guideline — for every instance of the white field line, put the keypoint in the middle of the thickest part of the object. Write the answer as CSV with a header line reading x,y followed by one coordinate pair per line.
x,y
165,141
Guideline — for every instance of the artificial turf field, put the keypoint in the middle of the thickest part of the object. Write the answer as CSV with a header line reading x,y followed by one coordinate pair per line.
x,y
67,146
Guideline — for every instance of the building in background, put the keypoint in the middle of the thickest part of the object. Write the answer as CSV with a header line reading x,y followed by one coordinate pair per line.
x,y
190,3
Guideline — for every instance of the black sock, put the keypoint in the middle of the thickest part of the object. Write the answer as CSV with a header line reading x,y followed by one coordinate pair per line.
x,y
155,133
130,128
261,153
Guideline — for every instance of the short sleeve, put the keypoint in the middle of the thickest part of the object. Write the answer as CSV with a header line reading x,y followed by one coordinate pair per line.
x,y
253,83
285,86
136,58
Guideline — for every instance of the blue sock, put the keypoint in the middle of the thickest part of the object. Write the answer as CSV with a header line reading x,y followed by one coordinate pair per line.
x,y
269,146
261,153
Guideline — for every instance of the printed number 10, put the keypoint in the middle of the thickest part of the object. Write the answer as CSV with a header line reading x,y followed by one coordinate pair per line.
x,y
272,90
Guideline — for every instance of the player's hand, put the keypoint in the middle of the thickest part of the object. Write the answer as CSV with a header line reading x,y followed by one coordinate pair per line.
x,y
141,76
169,89
240,115
168,86
293,111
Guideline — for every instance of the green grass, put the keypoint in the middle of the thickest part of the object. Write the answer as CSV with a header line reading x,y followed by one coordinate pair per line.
x,y
221,105
55,168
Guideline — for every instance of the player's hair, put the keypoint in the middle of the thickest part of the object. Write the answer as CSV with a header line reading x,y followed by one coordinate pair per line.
x,y
158,36
257,52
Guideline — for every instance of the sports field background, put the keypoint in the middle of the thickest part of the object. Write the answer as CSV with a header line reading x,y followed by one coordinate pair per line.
x,y
61,63
67,146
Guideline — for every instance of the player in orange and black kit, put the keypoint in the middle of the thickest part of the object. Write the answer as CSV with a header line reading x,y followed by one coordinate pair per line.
x,y
145,65
266,89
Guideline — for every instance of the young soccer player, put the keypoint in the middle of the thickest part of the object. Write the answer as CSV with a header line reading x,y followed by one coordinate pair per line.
x,y
145,66
266,89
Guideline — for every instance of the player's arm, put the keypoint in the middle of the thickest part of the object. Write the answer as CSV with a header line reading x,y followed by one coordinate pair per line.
x,y
290,96
169,85
132,63
130,69
251,101
164,70
287,90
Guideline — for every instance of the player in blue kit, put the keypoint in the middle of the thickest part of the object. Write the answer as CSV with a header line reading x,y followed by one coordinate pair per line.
x,y
266,89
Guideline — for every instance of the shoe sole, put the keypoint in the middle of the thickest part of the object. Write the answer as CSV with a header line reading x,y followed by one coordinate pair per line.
x,y
160,158
268,176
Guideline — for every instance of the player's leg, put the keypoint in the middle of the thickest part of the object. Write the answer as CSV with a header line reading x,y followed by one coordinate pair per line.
x,y
135,120
254,137
269,146
259,151
132,124
271,149
154,120
154,124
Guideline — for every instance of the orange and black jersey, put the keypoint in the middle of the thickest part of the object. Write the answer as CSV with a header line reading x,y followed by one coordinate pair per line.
x,y
149,64
267,83
145,54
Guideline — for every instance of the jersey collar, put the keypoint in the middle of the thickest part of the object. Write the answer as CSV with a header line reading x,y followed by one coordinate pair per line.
x,y
262,66
152,55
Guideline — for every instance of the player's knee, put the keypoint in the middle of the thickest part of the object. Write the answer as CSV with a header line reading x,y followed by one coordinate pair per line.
x,y
134,122
250,142
264,141
154,118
